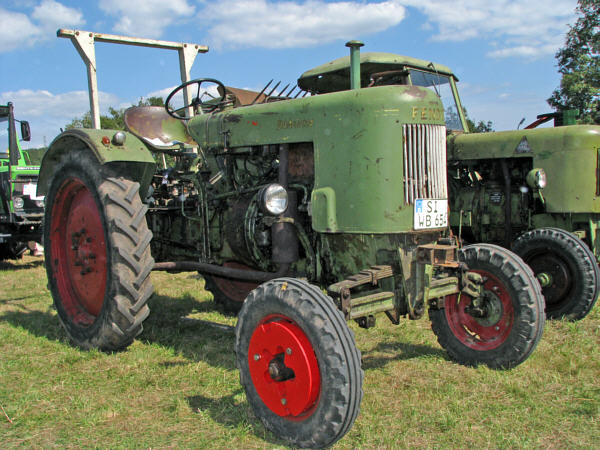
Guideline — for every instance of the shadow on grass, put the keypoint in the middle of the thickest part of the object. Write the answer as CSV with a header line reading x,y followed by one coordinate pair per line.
x,y
194,340
232,414
7,264
203,341
386,352
38,323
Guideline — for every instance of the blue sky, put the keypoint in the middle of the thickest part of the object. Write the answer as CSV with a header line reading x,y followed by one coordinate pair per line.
x,y
501,50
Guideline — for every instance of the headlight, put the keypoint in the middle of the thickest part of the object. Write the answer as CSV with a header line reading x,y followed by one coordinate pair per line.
x,y
39,203
273,199
536,178
18,203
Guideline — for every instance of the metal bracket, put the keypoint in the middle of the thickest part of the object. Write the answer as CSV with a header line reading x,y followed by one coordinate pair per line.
x,y
84,43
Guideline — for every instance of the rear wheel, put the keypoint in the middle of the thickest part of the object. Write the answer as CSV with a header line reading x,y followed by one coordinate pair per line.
x,y
298,363
505,328
566,269
230,294
97,254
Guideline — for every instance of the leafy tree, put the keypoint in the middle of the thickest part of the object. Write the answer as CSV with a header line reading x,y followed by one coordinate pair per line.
x,y
479,127
114,121
579,64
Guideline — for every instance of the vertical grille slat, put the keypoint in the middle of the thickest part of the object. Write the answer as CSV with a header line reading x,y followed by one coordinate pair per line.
x,y
425,173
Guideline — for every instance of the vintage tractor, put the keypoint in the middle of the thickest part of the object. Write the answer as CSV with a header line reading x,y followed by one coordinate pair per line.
x,y
550,176
305,213
21,210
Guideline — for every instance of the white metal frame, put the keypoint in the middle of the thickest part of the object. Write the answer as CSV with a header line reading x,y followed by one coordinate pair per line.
x,y
84,43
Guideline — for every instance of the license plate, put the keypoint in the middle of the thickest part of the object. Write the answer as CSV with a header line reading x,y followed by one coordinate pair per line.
x,y
30,189
430,213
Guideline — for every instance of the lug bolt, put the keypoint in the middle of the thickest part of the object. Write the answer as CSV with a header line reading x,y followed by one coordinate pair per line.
x,y
283,401
256,357
88,240
495,289
497,328
288,351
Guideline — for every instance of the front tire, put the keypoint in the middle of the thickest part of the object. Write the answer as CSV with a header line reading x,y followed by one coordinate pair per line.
x,y
567,270
97,253
298,363
513,320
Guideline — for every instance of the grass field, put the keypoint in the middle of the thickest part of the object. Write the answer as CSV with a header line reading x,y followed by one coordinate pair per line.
x,y
177,385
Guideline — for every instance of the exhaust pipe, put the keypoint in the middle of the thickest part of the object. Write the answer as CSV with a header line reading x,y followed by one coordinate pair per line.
x,y
354,63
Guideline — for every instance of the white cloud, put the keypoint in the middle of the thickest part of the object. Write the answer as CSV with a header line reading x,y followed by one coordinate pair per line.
x,y
15,30
19,30
287,24
48,112
146,18
524,28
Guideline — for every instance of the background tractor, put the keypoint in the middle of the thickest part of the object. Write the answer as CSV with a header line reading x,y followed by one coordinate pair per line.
x,y
536,191
21,210
302,214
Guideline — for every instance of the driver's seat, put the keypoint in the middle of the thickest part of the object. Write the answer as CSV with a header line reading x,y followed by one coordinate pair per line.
x,y
156,128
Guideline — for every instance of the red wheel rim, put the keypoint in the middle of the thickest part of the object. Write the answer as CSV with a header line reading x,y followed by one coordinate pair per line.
x,y
79,258
277,346
482,333
234,290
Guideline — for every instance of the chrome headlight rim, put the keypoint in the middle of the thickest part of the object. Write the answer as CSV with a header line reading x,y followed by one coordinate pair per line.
x,y
273,199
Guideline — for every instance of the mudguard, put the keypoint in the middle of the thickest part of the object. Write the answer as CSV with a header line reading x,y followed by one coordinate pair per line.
x,y
131,159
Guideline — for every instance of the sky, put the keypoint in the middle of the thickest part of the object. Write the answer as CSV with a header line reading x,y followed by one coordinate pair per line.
x,y
501,50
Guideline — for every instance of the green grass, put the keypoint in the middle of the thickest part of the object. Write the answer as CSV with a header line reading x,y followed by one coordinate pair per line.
x,y
177,385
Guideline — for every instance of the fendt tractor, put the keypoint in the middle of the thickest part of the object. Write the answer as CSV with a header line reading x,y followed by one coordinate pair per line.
x,y
304,212
21,210
551,177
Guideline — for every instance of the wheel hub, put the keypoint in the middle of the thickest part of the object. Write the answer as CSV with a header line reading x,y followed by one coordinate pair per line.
x,y
485,326
79,252
554,275
284,368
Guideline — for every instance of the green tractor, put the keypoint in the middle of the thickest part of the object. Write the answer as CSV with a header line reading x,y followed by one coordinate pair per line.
x,y
302,213
21,209
549,220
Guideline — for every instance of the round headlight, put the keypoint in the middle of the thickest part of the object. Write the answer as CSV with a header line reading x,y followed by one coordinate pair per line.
x,y
273,199
536,178
18,203
39,203
119,138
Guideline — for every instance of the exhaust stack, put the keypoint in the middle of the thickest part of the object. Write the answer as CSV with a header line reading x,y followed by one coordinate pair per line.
x,y
354,63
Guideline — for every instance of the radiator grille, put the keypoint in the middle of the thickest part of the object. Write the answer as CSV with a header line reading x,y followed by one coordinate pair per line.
x,y
425,173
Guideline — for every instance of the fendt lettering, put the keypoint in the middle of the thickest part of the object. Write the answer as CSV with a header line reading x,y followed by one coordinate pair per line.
x,y
297,224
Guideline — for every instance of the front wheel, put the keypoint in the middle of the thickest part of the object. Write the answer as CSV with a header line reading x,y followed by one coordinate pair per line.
x,y
97,253
298,363
566,268
505,328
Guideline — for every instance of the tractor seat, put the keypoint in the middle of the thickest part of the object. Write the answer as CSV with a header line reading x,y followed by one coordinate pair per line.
x,y
156,128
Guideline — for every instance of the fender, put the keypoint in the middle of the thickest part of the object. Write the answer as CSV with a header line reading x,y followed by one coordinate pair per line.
x,y
131,159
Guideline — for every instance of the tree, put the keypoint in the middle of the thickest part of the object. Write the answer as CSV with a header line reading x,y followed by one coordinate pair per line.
x,y
115,120
579,64
479,127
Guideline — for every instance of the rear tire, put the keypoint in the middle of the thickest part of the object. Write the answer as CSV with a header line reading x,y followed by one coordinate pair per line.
x,y
514,312
229,294
567,269
298,363
97,253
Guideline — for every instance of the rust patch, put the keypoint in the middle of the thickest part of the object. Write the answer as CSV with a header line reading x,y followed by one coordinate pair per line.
x,y
301,162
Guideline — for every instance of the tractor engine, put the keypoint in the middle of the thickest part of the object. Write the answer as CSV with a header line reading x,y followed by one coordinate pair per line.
x,y
479,191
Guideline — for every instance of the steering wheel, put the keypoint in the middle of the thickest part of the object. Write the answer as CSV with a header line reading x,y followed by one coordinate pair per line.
x,y
196,101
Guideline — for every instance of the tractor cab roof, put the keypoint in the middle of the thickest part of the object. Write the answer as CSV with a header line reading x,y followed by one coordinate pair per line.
x,y
335,75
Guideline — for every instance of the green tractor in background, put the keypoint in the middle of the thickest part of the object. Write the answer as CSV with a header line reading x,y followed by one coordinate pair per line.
x,y
536,191
21,210
301,213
